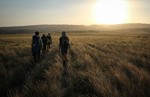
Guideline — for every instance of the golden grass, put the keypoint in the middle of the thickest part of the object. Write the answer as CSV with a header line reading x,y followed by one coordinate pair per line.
x,y
100,65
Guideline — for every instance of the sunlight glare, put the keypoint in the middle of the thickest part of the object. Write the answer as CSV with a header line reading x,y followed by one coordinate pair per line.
x,y
110,12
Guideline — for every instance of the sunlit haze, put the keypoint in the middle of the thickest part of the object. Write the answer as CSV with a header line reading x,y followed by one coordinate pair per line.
x,y
74,12
111,12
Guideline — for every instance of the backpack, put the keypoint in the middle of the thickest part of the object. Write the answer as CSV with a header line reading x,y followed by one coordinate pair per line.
x,y
35,41
35,45
65,42
49,39
44,39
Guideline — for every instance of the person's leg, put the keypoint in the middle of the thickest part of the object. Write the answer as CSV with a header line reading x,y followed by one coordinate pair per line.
x,y
66,57
49,45
63,54
64,64
44,49
38,55
63,57
66,54
34,58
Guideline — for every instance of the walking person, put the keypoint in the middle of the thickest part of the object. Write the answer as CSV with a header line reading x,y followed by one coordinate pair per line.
x,y
36,46
49,41
44,40
64,46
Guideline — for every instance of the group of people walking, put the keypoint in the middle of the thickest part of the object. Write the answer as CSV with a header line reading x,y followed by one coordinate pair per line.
x,y
47,42
44,43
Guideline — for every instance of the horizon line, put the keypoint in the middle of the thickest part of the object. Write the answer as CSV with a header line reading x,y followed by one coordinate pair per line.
x,y
67,24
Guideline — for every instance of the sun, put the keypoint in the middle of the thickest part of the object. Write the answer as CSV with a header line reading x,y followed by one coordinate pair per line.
x,y
110,12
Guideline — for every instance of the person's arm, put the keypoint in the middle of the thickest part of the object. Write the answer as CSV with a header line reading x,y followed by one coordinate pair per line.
x,y
41,42
48,39
59,43
51,40
68,42
32,41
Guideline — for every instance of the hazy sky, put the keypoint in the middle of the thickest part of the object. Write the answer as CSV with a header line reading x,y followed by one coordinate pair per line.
x,y
30,12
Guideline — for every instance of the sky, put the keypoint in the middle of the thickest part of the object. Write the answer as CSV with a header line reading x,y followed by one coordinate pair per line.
x,y
73,12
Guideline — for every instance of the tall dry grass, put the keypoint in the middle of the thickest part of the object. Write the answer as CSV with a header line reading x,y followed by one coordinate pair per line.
x,y
99,65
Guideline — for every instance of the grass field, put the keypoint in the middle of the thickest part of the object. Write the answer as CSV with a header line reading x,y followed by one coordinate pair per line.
x,y
110,64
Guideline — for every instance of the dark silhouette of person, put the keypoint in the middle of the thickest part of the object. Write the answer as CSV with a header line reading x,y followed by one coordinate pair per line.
x,y
64,45
36,46
49,41
44,40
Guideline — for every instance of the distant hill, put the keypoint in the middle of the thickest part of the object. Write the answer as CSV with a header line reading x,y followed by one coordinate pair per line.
x,y
59,28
